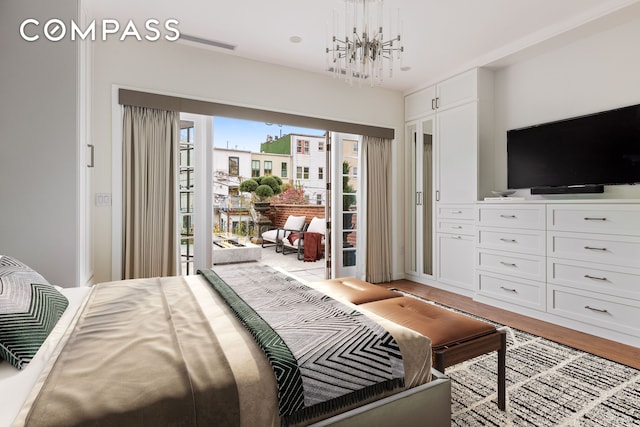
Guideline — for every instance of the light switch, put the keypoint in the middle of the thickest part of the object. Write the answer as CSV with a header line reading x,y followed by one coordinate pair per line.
x,y
103,199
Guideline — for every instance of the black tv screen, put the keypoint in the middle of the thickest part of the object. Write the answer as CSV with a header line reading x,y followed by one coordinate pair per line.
x,y
601,148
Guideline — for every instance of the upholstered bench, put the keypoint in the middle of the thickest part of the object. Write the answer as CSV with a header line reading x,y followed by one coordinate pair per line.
x,y
454,337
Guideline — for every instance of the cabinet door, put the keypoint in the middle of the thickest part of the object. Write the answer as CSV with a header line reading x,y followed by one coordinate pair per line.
x,y
420,242
457,90
455,260
419,103
457,153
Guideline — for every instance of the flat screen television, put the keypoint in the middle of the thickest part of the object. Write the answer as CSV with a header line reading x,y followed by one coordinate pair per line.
x,y
582,152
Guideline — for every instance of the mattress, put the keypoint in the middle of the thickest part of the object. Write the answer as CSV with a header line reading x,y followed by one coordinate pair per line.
x,y
253,375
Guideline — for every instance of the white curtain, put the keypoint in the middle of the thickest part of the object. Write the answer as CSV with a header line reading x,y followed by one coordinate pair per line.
x,y
150,150
376,162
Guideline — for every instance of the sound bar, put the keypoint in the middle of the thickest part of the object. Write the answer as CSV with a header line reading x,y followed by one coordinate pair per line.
x,y
572,189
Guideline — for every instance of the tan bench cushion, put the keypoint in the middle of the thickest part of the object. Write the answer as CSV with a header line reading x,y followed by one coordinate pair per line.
x,y
354,290
444,327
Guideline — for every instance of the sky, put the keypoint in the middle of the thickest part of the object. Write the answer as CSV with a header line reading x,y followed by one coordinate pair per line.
x,y
248,135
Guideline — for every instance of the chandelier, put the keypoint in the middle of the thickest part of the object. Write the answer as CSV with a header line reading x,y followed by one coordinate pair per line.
x,y
363,53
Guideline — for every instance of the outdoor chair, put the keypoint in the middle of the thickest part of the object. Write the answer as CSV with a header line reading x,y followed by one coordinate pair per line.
x,y
277,235
314,235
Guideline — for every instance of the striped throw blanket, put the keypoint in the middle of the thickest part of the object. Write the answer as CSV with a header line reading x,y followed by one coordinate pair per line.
x,y
324,354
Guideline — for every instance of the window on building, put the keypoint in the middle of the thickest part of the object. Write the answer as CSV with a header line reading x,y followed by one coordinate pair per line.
x,y
355,147
255,168
355,171
302,146
268,167
321,146
283,170
305,172
318,199
299,172
320,173
234,166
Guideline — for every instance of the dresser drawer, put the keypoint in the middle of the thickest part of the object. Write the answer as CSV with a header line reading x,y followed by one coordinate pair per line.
x,y
604,249
507,239
456,227
521,265
456,212
522,292
592,218
620,281
618,314
512,216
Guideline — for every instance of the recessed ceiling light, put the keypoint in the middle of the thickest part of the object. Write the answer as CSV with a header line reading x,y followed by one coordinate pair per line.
x,y
295,39
405,68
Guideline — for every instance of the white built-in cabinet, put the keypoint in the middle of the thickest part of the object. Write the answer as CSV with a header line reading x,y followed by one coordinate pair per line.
x,y
453,118
575,263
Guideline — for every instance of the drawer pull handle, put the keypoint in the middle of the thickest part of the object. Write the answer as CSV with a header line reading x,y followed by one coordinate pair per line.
x,y
457,237
508,216
591,248
599,310
508,289
509,240
508,264
456,212
594,219
457,227
595,277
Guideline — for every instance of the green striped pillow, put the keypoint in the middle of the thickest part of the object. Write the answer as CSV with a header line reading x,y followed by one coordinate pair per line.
x,y
28,311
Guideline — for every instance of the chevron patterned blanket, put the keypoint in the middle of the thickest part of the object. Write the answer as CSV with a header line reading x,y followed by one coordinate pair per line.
x,y
324,354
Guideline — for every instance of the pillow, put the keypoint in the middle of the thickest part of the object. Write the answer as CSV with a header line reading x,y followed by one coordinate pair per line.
x,y
29,309
295,222
317,225
12,265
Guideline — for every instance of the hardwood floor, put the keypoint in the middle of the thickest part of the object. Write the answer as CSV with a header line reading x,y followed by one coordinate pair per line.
x,y
607,349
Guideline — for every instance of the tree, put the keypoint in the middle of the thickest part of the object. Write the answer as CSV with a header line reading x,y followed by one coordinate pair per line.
x,y
348,199
262,188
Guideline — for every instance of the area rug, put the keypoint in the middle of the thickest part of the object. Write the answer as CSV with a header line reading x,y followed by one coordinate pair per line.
x,y
548,384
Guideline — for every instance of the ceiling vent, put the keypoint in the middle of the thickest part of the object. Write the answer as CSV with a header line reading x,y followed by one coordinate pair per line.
x,y
212,43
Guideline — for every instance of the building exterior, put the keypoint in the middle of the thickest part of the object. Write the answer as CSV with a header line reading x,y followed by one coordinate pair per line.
x,y
271,164
229,168
308,162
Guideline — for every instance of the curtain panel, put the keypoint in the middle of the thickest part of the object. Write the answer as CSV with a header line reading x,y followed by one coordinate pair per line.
x,y
377,168
150,152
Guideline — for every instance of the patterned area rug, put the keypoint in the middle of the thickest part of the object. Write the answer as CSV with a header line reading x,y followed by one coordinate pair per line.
x,y
548,384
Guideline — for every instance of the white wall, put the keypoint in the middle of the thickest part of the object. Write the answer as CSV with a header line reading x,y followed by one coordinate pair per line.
x,y
187,71
38,143
596,73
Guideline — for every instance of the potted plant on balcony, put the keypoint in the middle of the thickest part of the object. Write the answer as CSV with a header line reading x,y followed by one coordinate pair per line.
x,y
262,189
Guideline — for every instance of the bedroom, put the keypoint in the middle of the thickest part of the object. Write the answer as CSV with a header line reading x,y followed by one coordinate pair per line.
x,y
592,69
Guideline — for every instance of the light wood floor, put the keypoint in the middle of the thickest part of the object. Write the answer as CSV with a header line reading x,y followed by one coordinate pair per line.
x,y
611,350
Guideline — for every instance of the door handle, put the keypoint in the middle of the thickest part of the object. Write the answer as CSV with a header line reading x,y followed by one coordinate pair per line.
x,y
91,156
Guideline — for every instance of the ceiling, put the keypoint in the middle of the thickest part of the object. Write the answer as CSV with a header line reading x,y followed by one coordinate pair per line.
x,y
441,37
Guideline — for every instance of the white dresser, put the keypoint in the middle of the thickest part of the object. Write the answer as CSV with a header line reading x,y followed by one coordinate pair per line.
x,y
510,254
574,263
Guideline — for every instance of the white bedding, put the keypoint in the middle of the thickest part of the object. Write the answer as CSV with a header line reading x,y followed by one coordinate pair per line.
x,y
15,385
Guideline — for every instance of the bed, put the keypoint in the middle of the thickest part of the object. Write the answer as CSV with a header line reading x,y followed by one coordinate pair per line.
x,y
174,351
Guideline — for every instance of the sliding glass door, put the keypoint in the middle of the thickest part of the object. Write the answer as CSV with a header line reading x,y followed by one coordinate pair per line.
x,y
194,208
345,203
